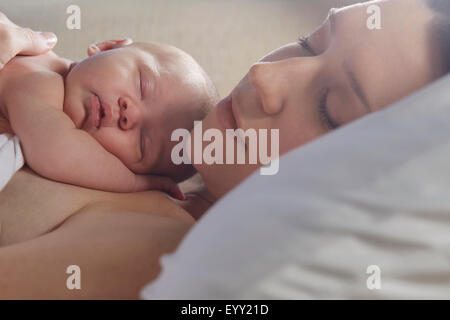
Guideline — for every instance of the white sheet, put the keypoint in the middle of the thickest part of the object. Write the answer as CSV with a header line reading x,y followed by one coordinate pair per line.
x,y
376,192
11,158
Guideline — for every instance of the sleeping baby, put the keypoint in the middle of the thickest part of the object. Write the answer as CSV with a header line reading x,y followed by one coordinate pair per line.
x,y
105,122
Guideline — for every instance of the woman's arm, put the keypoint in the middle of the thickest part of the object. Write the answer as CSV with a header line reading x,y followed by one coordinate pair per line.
x,y
15,40
118,253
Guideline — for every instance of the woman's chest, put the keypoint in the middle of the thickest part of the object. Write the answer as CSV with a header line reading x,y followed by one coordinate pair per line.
x,y
31,206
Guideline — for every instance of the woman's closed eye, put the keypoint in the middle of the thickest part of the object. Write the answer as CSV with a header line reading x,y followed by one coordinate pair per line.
x,y
325,118
324,115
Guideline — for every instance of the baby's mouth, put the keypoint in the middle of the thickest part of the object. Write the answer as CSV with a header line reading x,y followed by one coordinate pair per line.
x,y
102,113
97,111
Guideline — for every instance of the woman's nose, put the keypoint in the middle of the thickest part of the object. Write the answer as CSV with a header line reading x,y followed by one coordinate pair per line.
x,y
266,78
130,114
277,82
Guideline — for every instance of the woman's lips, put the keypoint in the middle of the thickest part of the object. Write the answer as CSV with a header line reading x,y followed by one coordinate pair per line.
x,y
225,113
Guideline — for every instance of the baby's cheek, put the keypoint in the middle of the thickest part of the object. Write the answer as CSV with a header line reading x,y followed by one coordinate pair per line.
x,y
69,112
74,109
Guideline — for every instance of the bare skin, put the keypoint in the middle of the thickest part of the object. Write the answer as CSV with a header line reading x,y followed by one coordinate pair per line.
x,y
116,239
45,226
32,93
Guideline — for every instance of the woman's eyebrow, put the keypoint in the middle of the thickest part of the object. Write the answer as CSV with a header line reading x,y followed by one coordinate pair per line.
x,y
332,19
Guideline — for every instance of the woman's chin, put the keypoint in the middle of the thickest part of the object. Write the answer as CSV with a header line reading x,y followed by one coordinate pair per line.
x,y
224,114
222,178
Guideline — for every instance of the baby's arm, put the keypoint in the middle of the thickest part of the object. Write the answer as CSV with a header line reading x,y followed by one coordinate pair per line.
x,y
54,148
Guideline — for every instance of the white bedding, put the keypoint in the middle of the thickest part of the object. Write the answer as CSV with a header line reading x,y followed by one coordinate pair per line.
x,y
376,192
11,158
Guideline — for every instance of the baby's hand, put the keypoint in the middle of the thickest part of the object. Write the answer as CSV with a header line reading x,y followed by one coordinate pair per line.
x,y
152,182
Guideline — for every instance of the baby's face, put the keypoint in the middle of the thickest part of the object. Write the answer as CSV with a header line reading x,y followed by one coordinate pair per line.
x,y
130,100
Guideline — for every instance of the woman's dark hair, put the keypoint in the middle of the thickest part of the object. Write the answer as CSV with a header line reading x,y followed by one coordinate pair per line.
x,y
440,27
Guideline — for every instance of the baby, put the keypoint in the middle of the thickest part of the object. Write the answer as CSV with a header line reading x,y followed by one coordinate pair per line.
x,y
105,122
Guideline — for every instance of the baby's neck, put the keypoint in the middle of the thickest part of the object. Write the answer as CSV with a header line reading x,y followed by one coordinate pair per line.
x,y
59,65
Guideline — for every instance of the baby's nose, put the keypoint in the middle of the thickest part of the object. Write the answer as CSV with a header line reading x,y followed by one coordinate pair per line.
x,y
109,114
130,115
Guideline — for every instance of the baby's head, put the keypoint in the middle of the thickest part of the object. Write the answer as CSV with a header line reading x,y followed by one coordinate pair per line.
x,y
132,97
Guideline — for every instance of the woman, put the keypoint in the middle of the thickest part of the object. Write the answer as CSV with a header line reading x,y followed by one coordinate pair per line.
x,y
340,73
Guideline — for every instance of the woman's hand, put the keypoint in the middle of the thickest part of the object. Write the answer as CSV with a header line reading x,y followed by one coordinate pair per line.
x,y
16,40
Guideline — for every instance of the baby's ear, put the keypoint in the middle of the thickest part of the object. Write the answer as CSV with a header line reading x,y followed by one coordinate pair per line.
x,y
107,45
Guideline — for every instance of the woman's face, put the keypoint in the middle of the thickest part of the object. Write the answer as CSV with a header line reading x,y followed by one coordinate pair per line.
x,y
343,71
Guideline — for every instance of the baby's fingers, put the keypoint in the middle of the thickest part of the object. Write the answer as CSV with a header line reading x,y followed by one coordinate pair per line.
x,y
167,185
107,45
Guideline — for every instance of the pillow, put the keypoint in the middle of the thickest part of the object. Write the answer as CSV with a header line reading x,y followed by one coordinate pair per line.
x,y
363,212
11,158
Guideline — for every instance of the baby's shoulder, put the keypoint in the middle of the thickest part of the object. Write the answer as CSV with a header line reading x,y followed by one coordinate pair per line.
x,y
24,67
37,76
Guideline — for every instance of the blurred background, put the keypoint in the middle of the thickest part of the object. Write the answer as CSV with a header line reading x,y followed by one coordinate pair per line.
x,y
225,36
